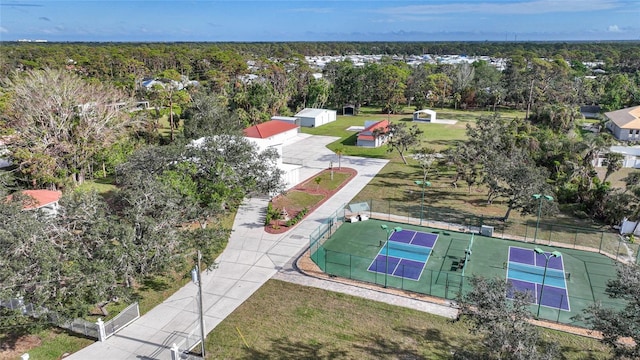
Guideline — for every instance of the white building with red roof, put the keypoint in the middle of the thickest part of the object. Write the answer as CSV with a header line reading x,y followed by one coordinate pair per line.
x,y
274,131
45,200
274,134
374,134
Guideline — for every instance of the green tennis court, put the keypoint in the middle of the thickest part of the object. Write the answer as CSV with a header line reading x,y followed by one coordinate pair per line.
x,y
455,257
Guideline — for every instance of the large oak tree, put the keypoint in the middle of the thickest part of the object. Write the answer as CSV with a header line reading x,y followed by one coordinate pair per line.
x,y
60,121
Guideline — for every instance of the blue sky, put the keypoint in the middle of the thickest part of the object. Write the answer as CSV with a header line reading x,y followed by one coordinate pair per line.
x,y
302,20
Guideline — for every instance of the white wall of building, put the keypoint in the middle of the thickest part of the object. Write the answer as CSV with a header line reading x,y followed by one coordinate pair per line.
x,y
316,117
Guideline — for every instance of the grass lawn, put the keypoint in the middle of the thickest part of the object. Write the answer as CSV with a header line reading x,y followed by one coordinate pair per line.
x,y
308,195
295,200
54,343
393,190
616,177
437,136
327,181
103,186
310,323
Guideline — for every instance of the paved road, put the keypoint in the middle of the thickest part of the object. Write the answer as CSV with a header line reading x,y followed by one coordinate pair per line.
x,y
251,258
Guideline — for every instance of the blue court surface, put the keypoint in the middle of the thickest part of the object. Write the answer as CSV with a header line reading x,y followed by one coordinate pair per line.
x,y
525,272
405,254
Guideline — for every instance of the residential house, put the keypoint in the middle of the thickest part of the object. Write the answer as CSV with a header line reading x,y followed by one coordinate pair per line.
x,y
625,123
374,134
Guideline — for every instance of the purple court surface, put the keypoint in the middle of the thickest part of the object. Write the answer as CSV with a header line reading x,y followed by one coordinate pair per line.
x,y
552,296
395,260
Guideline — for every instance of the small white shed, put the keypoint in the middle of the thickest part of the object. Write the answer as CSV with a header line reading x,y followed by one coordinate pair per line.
x,y
310,117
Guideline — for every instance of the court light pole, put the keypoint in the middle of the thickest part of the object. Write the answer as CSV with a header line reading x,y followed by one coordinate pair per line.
x,y
423,183
544,274
386,257
539,197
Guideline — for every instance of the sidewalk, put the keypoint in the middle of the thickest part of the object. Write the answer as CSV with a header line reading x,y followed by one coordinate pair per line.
x,y
251,258
290,274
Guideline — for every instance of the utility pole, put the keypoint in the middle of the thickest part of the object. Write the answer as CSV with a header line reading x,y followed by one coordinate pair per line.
x,y
196,277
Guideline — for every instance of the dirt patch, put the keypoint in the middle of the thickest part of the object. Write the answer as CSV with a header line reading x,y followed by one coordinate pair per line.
x,y
312,188
20,346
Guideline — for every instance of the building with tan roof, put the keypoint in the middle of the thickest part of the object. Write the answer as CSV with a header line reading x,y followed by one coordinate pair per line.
x,y
625,123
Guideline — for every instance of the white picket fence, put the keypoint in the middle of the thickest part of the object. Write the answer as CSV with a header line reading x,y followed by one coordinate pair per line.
x,y
99,330
124,318
180,349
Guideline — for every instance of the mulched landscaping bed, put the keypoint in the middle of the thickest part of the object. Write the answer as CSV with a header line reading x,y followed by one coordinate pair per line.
x,y
310,187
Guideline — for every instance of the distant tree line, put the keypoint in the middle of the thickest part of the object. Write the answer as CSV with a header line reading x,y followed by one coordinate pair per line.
x,y
537,75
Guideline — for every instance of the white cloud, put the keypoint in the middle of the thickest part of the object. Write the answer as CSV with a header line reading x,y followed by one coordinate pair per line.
x,y
3,30
492,7
613,28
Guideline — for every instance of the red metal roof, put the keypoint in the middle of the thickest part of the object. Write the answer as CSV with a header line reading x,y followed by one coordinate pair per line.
x,y
268,129
367,134
40,198
382,124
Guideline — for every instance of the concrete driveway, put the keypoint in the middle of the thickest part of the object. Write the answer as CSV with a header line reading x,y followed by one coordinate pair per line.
x,y
251,258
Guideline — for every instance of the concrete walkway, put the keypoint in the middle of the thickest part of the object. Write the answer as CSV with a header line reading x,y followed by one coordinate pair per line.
x,y
289,274
251,258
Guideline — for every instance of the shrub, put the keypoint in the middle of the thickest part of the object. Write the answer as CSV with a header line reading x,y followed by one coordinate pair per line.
x,y
267,218
272,214
298,217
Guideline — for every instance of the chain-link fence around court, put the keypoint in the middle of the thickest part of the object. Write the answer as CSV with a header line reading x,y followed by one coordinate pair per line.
x,y
605,242
350,250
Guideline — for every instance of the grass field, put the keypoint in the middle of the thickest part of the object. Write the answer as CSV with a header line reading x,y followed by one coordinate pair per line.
x,y
393,191
310,323
394,184
352,248
437,136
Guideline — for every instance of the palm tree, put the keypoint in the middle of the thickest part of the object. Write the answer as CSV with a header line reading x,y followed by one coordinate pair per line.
x,y
613,162
339,151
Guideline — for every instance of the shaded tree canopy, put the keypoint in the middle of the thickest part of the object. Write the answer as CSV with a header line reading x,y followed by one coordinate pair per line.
x,y
618,326
207,115
402,138
503,322
62,264
57,133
